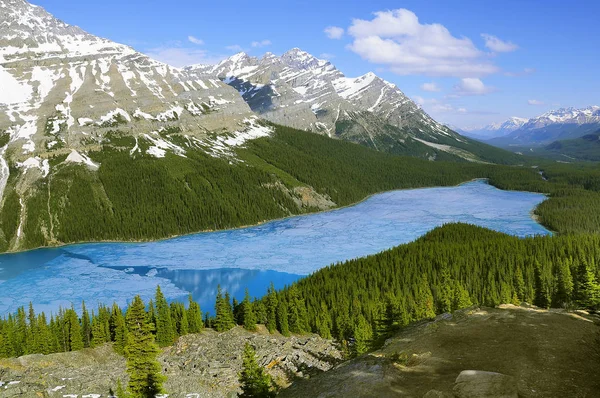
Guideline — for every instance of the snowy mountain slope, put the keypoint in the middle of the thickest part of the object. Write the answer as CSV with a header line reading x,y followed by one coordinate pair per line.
x,y
64,89
302,91
560,124
496,129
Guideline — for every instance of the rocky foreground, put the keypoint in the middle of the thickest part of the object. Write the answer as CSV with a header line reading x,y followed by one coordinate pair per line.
x,y
203,365
478,352
481,352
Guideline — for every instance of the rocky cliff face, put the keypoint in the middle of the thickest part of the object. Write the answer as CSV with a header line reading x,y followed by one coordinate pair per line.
x,y
301,91
63,90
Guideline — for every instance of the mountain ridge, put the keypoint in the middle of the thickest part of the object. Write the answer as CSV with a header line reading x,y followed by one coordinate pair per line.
x,y
554,125
302,91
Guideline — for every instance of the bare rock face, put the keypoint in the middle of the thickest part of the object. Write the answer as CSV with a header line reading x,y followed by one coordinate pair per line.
x,y
202,365
64,90
302,91
480,384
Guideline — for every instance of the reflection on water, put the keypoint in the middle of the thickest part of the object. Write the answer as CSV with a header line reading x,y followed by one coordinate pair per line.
x,y
202,284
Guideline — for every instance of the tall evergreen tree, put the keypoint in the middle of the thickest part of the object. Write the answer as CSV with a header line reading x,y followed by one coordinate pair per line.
x,y
141,351
249,317
272,305
224,312
86,327
254,382
165,332
118,329
194,316
282,318
74,327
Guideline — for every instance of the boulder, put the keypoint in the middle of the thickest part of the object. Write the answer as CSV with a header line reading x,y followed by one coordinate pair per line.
x,y
480,384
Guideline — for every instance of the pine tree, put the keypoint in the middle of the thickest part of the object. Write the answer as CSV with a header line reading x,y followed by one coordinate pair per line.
x,y
249,317
86,327
363,335
121,393
32,337
272,304
445,294
224,313
588,289
282,318
98,331
194,316
165,332
461,297
141,351
74,327
563,290
118,330
323,322
254,382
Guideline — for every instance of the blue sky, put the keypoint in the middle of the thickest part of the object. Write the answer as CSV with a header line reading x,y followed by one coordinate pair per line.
x,y
540,55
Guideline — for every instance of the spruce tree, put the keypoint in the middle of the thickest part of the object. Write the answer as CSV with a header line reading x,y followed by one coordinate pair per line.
x,y
86,327
282,318
363,335
74,327
165,332
588,289
118,330
254,382
272,305
141,352
224,313
323,322
248,313
194,316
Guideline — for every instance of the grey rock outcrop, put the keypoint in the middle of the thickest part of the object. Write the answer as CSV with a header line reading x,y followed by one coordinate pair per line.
x,y
480,384
64,90
302,91
203,365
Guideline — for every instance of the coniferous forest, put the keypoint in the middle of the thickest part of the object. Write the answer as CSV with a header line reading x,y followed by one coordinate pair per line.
x,y
141,198
359,302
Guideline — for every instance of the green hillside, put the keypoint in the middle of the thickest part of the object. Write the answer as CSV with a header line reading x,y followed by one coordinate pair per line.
x,y
139,197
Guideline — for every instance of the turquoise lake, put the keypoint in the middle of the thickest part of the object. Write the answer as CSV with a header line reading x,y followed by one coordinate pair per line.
x,y
280,251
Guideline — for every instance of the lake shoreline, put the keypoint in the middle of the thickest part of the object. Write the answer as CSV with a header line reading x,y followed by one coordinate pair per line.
x,y
264,222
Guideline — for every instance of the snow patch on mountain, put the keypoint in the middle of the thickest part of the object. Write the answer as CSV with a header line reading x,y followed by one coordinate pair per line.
x,y
76,157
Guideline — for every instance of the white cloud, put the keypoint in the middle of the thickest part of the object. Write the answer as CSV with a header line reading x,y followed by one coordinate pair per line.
x,y
397,39
262,43
327,56
195,40
535,102
432,87
497,45
334,32
472,86
235,48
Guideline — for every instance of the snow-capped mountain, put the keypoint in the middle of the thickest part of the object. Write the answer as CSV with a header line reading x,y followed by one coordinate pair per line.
x,y
496,129
302,91
559,124
63,90
588,115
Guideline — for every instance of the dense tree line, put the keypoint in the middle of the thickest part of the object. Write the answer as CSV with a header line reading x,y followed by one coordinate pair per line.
x,y
357,302
453,266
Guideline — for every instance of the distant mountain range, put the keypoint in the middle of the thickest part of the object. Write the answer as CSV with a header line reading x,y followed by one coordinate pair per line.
x,y
560,124
495,129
